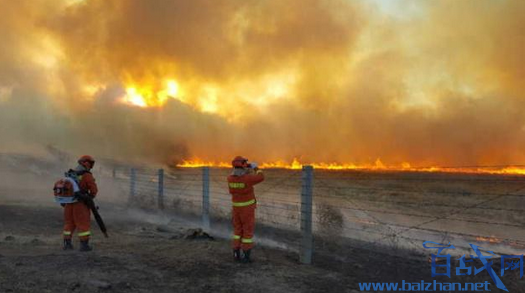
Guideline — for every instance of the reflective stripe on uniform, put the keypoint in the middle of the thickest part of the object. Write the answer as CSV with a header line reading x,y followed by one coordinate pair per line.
x,y
247,240
236,237
87,233
237,185
76,188
67,233
243,203
65,199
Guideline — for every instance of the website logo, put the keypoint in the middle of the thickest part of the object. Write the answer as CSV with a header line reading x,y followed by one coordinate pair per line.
x,y
508,262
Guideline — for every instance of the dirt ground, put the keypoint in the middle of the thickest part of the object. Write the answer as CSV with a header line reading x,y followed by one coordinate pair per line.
x,y
141,256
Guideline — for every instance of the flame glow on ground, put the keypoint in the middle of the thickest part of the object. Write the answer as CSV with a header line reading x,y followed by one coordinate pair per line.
x,y
295,164
491,239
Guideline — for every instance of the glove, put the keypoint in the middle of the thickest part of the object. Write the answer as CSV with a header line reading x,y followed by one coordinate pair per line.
x,y
254,165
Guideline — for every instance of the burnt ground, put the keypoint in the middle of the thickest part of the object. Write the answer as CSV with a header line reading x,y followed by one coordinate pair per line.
x,y
142,256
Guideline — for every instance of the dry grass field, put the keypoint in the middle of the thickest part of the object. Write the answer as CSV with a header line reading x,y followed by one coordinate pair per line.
x,y
368,227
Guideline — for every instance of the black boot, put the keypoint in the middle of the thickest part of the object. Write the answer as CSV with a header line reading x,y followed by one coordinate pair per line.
x,y
237,254
67,244
246,256
84,246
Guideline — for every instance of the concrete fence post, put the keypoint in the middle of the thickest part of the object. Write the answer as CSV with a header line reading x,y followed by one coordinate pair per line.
x,y
132,182
206,197
306,215
160,194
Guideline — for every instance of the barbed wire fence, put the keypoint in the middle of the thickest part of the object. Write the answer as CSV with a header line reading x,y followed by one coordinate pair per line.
x,y
319,211
314,212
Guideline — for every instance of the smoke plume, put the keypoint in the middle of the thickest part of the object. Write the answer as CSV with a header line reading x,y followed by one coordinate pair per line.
x,y
424,82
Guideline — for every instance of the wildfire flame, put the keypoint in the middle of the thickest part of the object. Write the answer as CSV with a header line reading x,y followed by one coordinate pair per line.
x,y
333,83
146,96
490,239
197,163
295,164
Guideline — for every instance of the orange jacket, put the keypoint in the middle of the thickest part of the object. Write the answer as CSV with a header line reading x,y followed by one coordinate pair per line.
x,y
241,187
88,185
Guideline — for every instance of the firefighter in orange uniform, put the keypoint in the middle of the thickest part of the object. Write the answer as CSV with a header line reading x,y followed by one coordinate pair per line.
x,y
240,183
76,214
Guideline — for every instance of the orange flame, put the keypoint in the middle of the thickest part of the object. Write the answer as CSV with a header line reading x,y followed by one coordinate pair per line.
x,y
490,239
197,163
295,164
145,96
